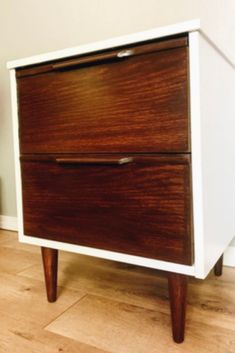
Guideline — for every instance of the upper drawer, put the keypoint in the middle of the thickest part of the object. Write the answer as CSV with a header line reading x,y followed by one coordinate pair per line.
x,y
127,100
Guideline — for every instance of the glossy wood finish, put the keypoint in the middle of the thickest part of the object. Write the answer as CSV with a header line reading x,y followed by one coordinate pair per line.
x,y
142,208
158,45
50,265
105,157
138,104
218,269
177,285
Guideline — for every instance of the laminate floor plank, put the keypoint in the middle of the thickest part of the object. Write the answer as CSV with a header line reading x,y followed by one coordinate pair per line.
x,y
106,307
123,328
123,285
14,260
7,236
25,299
17,335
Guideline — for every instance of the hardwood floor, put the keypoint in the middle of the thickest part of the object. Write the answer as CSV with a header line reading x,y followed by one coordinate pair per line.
x,y
106,307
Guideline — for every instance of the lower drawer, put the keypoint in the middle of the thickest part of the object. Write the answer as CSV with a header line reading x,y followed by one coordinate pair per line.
x,y
139,205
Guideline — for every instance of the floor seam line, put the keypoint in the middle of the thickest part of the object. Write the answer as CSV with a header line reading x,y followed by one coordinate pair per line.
x,y
68,308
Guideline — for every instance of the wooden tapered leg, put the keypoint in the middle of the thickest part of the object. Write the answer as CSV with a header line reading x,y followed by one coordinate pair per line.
x,y
177,284
218,269
50,265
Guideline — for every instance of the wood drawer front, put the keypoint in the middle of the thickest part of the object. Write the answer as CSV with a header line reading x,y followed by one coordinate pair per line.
x,y
141,208
135,104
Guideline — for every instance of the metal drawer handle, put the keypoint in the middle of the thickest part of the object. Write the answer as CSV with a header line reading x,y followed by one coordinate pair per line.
x,y
125,53
95,161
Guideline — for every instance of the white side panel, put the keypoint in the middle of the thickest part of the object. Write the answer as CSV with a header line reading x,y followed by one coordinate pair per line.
x,y
217,96
16,150
229,256
194,68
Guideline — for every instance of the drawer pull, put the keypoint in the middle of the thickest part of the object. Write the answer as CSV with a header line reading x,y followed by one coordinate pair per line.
x,y
95,161
99,58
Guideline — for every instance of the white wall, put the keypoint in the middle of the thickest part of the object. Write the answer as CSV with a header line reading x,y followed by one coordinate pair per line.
x,y
29,27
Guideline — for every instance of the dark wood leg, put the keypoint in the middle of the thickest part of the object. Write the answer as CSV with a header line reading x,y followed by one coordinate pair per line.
x,y
50,265
219,267
177,284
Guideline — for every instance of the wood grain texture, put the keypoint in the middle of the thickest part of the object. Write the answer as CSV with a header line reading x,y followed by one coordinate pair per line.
x,y
96,57
22,260
135,105
50,265
142,208
133,203
121,328
177,285
133,329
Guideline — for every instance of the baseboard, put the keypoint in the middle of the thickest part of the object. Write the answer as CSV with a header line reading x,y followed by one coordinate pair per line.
x,y
8,223
229,256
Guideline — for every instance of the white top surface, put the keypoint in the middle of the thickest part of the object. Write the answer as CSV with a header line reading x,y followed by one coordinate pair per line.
x,y
154,33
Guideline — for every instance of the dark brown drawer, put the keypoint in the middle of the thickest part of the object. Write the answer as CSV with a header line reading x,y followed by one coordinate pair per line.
x,y
132,204
104,103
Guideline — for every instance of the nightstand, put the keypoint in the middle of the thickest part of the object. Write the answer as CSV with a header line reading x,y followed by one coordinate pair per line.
x,y
124,151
